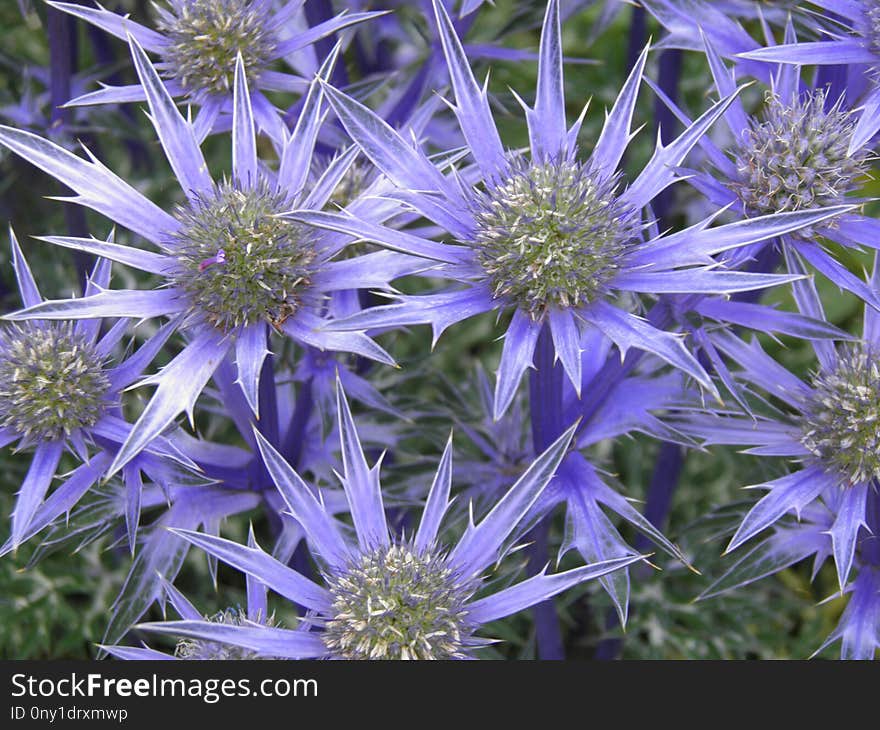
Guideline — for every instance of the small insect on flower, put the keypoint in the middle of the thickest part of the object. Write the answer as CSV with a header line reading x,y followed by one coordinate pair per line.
x,y
218,258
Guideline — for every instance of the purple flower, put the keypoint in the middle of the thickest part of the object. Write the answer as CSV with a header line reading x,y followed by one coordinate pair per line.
x,y
546,235
199,42
273,275
60,390
800,152
384,596
830,427
855,41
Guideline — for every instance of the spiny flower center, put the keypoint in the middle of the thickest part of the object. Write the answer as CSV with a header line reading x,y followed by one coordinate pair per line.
x,y
52,381
842,423
872,15
199,649
796,158
551,235
239,262
206,36
396,604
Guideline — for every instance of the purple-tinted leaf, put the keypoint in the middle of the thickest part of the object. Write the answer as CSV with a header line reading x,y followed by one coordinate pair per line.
x,y
267,641
179,384
479,546
253,561
148,261
516,357
472,102
436,504
118,303
361,483
319,526
539,588
175,133
27,287
615,134
244,140
788,494
849,520
119,25
250,352
98,188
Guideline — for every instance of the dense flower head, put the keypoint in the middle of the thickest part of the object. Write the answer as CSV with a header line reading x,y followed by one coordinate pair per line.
x,y
206,36
240,262
52,380
398,603
796,156
841,421
872,32
550,234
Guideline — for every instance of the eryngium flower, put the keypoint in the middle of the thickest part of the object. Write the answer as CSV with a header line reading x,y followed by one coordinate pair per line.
x,y
547,236
60,389
796,156
387,597
198,42
855,41
52,380
801,151
831,427
233,270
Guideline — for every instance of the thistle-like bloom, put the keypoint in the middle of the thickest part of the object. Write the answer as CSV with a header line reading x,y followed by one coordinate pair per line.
x,y
60,390
233,270
831,428
199,41
548,236
384,596
798,153
855,42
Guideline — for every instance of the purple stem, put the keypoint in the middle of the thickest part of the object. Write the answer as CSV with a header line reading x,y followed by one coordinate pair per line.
x,y
62,65
292,447
545,399
666,124
317,11
267,425
637,35
869,548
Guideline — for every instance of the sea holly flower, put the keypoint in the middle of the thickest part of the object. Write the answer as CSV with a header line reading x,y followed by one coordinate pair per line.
x,y
233,270
855,41
830,428
60,390
385,596
547,236
797,153
199,42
